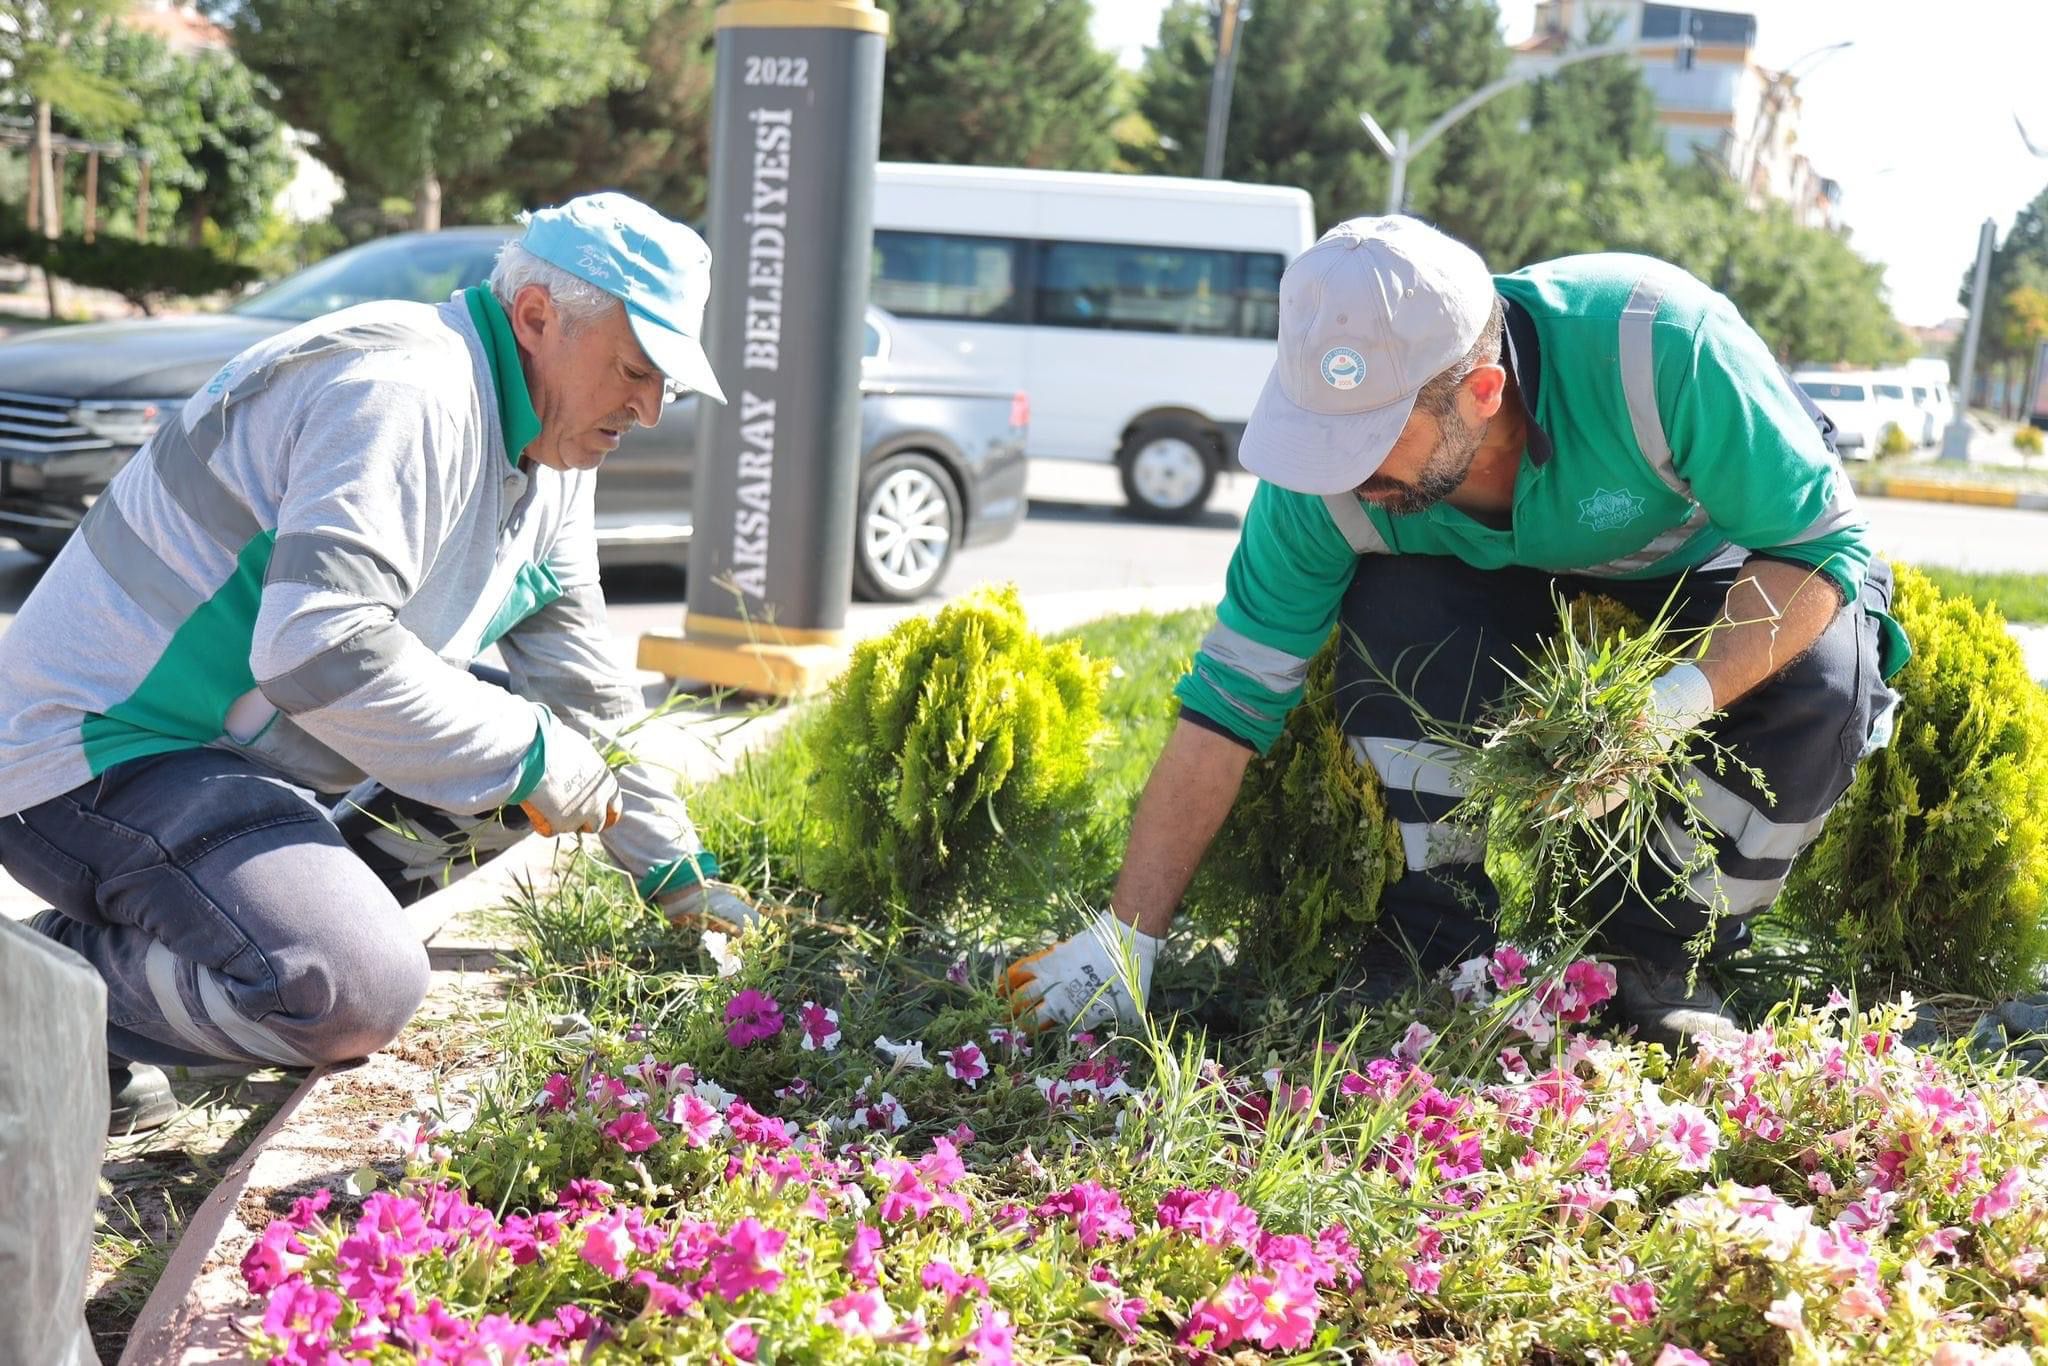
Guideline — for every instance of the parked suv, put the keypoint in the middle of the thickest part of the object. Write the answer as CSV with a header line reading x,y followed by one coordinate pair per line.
x,y
942,454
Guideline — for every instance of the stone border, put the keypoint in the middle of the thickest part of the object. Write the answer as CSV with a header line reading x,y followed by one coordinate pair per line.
x,y
1942,491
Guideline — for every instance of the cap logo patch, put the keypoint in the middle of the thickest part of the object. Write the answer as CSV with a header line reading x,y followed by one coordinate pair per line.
x,y
1343,368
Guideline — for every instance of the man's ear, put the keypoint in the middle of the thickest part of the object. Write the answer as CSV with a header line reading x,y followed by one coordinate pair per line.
x,y
532,315
1487,386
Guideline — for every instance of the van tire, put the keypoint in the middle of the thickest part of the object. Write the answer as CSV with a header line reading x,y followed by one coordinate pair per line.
x,y
905,497
1169,467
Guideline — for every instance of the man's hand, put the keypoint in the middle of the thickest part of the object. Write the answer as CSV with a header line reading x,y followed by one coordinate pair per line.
x,y
1681,700
577,793
1081,980
709,906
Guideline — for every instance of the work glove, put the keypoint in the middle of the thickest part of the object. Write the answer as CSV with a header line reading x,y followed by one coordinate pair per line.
x,y
1080,980
1681,700
577,792
709,906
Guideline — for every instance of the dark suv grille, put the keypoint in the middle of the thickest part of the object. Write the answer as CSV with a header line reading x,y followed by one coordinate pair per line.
x,y
37,425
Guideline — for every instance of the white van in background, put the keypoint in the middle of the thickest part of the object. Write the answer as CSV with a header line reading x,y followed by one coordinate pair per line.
x,y
1845,396
1139,312
1892,391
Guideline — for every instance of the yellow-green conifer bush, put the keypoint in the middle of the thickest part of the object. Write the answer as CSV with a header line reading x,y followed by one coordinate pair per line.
x,y
951,754
1297,872
1933,870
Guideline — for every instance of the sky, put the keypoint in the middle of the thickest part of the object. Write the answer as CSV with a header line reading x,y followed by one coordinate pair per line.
x,y
1915,120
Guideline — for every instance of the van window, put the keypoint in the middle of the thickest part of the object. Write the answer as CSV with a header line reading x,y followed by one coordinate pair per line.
x,y
945,275
1890,390
1823,390
1919,394
1137,289
1262,295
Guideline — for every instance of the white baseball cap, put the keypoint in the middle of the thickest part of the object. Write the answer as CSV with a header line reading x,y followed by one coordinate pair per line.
x,y
1373,311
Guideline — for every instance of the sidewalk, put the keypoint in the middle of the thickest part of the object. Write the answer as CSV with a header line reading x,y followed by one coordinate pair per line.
x,y
1994,474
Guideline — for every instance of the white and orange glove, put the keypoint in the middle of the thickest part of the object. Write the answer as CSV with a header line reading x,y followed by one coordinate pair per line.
x,y
1081,980
577,794
709,906
1681,701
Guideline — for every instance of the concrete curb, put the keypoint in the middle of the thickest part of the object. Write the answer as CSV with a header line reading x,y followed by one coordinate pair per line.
x,y
1942,491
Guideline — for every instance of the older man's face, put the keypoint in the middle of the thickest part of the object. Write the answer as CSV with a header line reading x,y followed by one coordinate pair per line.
x,y
589,387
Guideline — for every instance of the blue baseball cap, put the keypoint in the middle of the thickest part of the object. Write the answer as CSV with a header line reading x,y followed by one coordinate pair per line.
x,y
658,268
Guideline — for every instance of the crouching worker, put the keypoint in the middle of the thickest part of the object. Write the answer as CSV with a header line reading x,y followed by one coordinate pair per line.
x,y
1441,453
279,599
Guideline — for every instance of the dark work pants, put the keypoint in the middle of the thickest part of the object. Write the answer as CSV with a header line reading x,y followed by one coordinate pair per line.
x,y
1445,632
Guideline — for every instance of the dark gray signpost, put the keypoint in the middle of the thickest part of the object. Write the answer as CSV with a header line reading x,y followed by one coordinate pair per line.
x,y
794,136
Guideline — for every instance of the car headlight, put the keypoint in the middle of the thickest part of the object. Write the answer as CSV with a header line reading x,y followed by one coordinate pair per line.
x,y
125,423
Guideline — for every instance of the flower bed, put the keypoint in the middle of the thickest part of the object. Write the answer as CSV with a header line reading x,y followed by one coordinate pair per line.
x,y
812,1149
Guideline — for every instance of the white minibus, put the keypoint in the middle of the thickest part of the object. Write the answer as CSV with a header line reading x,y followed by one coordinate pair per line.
x,y
1139,312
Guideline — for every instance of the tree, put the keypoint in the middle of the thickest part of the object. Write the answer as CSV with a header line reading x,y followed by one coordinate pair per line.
x,y
2021,260
998,83
650,136
402,94
35,55
217,152
1304,71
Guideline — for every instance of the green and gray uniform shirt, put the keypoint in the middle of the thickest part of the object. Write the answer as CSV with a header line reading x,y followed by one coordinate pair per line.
x,y
1747,470
301,565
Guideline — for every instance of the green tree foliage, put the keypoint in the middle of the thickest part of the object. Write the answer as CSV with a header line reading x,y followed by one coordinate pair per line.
x,y
1933,871
217,152
950,756
1304,70
144,273
998,83
37,38
648,135
402,94
1567,164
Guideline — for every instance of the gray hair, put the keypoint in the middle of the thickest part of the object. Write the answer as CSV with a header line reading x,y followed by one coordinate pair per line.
x,y
580,302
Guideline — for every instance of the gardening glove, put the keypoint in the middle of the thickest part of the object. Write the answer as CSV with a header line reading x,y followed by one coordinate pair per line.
x,y
577,793
709,906
1080,980
1681,700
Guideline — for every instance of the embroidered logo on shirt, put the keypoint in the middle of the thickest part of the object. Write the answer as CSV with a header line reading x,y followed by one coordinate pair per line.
x,y
1610,509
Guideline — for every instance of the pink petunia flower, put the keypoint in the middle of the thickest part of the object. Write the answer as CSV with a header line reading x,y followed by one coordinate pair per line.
x,y
1690,1136
1285,1317
750,1260
993,1341
606,1244
632,1132
820,1026
751,1017
885,1115
1097,1212
1638,1301
2001,1200
1508,967
1122,1314
863,1254
965,1064
272,1258
1414,1043
940,1275
742,1341
1674,1355
699,1122
863,1313
301,1311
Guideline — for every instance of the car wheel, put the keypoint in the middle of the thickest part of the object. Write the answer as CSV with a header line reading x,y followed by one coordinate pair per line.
x,y
1169,469
910,521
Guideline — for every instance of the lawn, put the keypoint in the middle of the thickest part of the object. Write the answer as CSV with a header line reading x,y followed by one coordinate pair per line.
x,y
2017,597
823,1141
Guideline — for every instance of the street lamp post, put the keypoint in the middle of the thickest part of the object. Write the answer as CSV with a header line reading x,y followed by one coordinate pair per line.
x,y
1955,442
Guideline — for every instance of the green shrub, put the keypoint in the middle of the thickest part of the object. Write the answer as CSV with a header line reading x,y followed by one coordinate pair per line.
x,y
1894,441
1933,870
950,756
144,273
2027,441
1296,875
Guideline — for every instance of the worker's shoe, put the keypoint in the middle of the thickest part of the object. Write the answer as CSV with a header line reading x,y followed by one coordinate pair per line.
x,y
1655,1001
140,1097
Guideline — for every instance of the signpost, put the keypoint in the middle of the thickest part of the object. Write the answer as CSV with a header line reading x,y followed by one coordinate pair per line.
x,y
794,138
